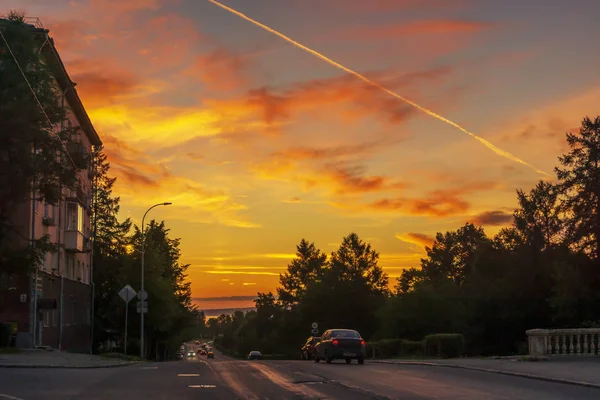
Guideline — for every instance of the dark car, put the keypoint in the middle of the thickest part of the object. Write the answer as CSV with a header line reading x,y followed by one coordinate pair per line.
x,y
308,350
255,355
340,344
210,354
179,356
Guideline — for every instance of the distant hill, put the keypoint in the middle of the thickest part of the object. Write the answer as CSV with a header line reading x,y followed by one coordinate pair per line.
x,y
215,312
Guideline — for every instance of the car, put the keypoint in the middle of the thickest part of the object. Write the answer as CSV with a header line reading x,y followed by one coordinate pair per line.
x,y
191,354
210,354
308,350
255,355
346,344
179,355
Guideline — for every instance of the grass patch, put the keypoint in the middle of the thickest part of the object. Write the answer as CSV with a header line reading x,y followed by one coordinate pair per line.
x,y
120,356
9,350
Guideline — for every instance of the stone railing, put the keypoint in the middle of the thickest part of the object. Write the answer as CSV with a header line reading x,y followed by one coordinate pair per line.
x,y
575,342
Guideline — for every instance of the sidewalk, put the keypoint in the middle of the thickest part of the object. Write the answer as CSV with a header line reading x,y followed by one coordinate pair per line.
x,y
576,370
57,359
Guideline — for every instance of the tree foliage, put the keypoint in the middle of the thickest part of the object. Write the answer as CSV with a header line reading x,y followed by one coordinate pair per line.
x,y
33,156
171,317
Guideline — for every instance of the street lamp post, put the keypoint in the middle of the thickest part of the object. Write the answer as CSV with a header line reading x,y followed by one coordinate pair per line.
x,y
142,290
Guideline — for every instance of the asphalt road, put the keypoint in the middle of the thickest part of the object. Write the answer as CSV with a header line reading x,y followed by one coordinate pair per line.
x,y
230,379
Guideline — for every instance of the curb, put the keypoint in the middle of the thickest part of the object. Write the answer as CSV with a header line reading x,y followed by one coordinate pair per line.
x,y
62,366
493,371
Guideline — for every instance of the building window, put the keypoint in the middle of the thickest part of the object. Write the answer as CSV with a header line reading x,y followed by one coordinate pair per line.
x,y
47,318
46,206
74,217
55,318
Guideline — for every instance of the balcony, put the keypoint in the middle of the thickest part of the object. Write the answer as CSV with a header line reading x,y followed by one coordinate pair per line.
x,y
74,241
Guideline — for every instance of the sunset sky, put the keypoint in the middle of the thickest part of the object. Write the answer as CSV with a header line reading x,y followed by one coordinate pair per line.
x,y
259,144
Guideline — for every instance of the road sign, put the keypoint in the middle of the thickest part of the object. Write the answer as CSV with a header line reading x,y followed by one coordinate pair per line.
x,y
315,332
142,295
315,325
142,306
127,293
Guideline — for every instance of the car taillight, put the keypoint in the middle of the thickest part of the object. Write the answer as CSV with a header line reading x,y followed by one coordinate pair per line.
x,y
335,342
362,342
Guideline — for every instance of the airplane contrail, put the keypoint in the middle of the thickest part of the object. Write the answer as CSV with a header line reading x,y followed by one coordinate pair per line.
x,y
498,151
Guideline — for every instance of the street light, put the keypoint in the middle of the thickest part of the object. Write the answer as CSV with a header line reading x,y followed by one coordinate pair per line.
x,y
142,290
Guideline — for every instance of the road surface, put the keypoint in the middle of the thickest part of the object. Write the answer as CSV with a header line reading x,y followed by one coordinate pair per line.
x,y
231,379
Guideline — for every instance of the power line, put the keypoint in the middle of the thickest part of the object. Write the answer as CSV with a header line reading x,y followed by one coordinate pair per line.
x,y
38,101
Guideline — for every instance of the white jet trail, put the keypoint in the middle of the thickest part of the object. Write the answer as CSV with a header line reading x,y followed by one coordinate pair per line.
x,y
498,151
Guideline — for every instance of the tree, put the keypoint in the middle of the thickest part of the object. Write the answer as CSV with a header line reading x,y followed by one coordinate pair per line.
x,y
302,271
110,235
538,218
110,250
579,181
35,156
352,289
453,254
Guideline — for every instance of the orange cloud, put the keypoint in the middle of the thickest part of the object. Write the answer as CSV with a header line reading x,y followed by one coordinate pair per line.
x,y
356,98
436,203
100,82
116,7
148,181
219,70
492,218
420,239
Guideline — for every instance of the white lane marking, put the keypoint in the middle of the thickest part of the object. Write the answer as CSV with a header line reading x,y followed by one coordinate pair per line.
x,y
149,367
6,396
201,386
188,374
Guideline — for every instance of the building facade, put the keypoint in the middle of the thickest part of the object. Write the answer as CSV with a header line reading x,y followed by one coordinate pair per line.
x,y
53,306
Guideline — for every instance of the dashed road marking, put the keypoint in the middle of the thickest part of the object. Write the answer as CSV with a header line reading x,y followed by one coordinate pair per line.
x,y
187,375
202,386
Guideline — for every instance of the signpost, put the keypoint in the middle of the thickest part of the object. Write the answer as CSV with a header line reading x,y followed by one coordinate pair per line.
x,y
315,329
127,294
142,305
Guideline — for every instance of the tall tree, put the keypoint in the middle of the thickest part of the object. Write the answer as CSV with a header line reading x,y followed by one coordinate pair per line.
x,y
579,179
110,257
30,113
538,217
357,262
302,271
453,254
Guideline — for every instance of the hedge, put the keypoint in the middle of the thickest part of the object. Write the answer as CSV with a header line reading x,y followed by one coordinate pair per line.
x,y
444,345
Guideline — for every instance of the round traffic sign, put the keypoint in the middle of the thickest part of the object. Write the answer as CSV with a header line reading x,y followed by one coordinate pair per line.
x,y
142,295
315,325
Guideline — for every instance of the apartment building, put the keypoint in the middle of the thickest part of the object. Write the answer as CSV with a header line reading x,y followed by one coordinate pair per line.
x,y
53,307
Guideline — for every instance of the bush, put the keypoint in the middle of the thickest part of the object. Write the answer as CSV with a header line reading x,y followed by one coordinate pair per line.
x,y
412,348
5,333
444,345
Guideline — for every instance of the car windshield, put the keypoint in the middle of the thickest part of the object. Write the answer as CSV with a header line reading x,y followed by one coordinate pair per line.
x,y
345,334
